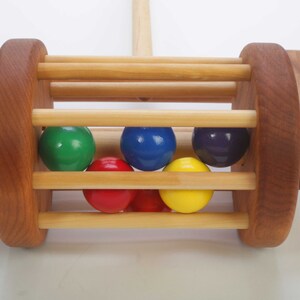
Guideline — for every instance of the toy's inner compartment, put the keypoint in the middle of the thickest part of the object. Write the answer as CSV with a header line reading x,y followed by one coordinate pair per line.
x,y
121,85
108,144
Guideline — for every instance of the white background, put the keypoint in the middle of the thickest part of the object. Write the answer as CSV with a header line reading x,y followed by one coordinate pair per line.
x,y
151,264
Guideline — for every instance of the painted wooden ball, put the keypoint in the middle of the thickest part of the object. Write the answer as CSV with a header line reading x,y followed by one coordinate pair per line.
x,y
220,147
148,201
148,148
107,200
186,201
66,148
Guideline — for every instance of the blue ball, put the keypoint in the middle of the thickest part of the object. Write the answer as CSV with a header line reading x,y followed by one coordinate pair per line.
x,y
220,147
148,148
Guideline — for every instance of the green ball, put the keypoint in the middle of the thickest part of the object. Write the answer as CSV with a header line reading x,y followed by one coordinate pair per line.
x,y
67,148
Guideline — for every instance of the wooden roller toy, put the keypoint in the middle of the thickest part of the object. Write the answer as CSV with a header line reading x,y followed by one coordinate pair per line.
x,y
261,85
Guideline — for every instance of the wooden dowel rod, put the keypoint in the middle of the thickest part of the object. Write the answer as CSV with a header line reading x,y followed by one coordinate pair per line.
x,y
202,99
169,72
141,89
77,220
144,180
141,28
152,118
142,59
108,141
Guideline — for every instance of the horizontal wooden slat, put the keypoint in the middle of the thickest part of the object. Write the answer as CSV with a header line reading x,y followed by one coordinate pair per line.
x,y
144,180
123,71
142,59
68,220
200,99
152,118
89,90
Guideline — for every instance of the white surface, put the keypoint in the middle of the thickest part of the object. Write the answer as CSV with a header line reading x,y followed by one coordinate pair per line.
x,y
151,264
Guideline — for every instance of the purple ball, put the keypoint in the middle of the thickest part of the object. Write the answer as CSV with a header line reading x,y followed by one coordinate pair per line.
x,y
220,147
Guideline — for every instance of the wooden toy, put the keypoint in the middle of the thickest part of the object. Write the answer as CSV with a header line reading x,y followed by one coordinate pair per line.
x,y
261,84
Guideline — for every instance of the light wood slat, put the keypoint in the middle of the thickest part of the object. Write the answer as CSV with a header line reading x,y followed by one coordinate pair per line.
x,y
152,118
145,180
73,220
141,89
202,99
141,59
164,72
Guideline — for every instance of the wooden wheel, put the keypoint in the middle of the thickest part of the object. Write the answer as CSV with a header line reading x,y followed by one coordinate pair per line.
x,y
274,148
20,92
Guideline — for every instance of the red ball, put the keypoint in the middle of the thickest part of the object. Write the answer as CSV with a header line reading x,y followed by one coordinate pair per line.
x,y
109,201
147,201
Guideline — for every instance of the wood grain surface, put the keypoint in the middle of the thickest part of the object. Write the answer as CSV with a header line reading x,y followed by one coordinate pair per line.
x,y
20,92
144,117
141,28
97,90
68,220
274,147
142,59
144,180
294,56
144,72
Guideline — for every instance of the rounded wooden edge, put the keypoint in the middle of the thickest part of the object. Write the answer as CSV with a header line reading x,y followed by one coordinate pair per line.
x,y
274,147
20,92
294,56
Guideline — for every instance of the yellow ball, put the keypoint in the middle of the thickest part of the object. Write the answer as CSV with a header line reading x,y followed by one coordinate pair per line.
x,y
186,201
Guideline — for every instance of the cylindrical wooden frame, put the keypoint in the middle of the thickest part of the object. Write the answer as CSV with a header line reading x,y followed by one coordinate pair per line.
x,y
274,147
20,92
274,154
